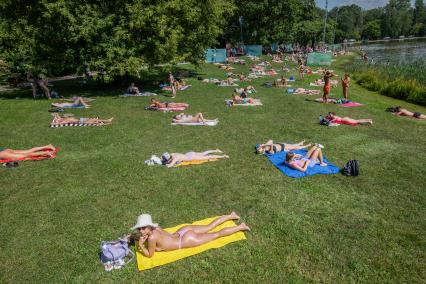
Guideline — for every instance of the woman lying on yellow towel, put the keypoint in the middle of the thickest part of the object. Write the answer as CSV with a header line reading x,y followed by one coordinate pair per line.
x,y
186,237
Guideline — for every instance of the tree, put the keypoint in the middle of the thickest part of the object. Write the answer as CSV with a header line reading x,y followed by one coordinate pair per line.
x,y
397,18
372,30
59,36
419,19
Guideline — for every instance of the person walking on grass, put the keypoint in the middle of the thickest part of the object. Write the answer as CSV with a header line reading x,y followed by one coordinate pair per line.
x,y
345,85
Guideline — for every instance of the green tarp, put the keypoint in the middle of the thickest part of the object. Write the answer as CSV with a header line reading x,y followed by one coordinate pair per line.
x,y
319,59
215,55
253,50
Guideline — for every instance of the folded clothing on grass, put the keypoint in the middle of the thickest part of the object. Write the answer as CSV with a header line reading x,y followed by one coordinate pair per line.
x,y
165,257
278,159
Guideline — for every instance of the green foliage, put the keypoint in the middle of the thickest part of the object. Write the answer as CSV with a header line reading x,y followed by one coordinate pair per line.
x,y
406,82
372,30
60,36
398,18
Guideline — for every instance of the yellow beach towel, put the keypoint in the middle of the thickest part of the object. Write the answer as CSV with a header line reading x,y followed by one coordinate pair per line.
x,y
195,162
165,257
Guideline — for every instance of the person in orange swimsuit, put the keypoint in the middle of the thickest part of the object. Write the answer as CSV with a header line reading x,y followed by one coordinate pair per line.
x,y
327,86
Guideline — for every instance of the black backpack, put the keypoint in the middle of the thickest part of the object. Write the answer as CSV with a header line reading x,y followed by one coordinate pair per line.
x,y
351,168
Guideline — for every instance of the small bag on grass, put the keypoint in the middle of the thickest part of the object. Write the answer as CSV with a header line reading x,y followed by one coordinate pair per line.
x,y
351,168
114,253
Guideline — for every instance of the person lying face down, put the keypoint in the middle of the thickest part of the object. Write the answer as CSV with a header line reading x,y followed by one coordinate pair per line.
x,y
79,101
404,112
174,159
156,239
10,154
158,104
271,148
301,163
333,118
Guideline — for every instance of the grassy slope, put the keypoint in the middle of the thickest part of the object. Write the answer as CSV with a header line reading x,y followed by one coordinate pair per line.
x,y
322,228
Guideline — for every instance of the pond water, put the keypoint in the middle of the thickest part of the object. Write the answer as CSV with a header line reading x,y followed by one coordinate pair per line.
x,y
397,51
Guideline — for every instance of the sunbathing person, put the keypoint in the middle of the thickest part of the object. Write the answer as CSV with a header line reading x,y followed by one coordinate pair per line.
x,y
333,118
158,104
57,119
173,159
185,118
78,102
403,112
9,154
271,148
301,163
132,89
237,99
186,237
327,85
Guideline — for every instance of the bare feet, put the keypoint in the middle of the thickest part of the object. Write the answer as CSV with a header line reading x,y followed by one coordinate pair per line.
x,y
51,147
323,164
226,156
244,227
219,151
234,216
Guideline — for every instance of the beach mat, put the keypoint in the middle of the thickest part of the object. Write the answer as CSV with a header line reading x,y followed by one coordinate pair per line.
x,y
207,123
278,159
165,257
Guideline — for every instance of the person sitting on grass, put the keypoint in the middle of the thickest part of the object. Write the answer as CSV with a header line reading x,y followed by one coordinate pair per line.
x,y
301,163
271,148
9,154
132,89
281,83
174,159
78,102
158,104
189,236
404,112
237,99
333,118
57,119
185,118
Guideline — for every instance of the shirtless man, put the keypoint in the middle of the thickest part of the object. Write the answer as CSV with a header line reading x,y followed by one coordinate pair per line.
x,y
345,85
327,85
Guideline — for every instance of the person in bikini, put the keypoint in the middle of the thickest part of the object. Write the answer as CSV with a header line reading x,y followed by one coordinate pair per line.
x,y
9,154
237,99
79,101
174,159
57,119
156,239
281,82
345,85
302,163
327,85
185,118
271,148
157,104
333,118
403,112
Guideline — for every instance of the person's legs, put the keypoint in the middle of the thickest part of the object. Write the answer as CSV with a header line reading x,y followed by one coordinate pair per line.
x,y
45,89
205,153
199,117
311,151
317,155
208,157
201,229
290,147
192,239
35,149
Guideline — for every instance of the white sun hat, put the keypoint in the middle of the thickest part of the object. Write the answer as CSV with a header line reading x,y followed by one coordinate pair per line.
x,y
143,221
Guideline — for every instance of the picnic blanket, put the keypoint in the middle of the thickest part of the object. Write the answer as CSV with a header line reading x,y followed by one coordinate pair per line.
x,y
278,159
165,257
256,102
207,123
144,94
34,158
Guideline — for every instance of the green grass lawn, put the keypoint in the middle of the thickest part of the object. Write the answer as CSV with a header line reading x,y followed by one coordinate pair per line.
x,y
324,228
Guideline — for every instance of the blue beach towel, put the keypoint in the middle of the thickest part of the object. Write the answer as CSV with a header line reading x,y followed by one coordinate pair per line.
x,y
278,161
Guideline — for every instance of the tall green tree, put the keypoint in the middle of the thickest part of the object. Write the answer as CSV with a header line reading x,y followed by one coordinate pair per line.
x,y
419,19
397,18
59,36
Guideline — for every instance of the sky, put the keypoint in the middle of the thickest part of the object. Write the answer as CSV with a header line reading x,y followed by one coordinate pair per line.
x,y
366,4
